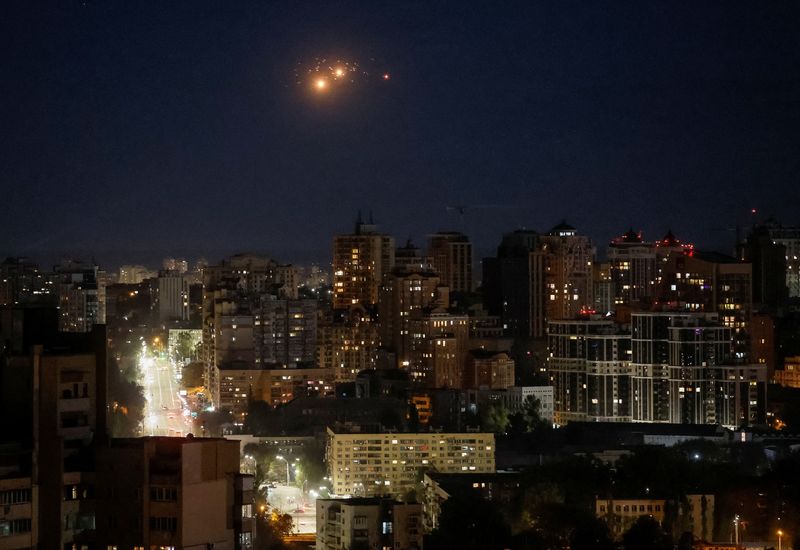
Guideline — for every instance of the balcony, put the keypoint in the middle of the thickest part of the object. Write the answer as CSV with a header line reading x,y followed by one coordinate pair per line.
x,y
75,404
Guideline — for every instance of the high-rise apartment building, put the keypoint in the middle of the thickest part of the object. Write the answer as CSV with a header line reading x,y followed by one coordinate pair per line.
x,y
603,284
770,263
406,295
451,258
360,261
709,282
376,464
22,281
507,289
589,365
410,258
135,274
789,238
251,312
285,331
633,268
173,297
684,371
172,492
348,343
566,274
537,278
81,296
53,409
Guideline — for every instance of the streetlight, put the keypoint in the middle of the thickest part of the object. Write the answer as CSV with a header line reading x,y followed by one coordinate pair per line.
x,y
736,527
279,457
780,539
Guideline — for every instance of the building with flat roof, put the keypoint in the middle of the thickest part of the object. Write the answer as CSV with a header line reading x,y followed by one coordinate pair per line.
x,y
360,261
451,257
162,492
374,464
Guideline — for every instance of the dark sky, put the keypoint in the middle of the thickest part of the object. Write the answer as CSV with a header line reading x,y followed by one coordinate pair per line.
x,y
134,130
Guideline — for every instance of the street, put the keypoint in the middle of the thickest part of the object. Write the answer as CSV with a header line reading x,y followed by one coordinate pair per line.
x,y
165,412
290,500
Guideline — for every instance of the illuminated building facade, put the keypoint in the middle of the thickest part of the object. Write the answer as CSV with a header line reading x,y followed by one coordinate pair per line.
x,y
566,274
239,383
374,464
451,258
589,367
404,297
360,261
516,396
789,375
708,282
348,344
683,371
438,349
632,268
135,274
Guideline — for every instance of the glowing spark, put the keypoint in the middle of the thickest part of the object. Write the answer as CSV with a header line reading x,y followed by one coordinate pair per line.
x,y
321,84
386,76
339,72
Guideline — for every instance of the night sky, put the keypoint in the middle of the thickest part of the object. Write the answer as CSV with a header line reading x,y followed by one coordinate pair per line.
x,y
135,130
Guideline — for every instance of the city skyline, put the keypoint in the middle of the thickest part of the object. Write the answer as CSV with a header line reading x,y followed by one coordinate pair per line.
x,y
164,130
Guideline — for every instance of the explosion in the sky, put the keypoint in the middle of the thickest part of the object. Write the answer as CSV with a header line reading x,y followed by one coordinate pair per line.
x,y
325,75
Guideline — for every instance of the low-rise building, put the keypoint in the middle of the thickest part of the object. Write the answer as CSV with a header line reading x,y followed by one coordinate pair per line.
x,y
789,375
369,522
373,464
696,512
516,396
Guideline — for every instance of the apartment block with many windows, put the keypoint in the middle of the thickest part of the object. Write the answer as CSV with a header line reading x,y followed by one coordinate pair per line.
x,y
374,464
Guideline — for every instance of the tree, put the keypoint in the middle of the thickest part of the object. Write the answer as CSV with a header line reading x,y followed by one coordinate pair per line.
x,y
271,528
495,418
126,398
646,534
258,417
192,374
186,347
214,421
532,410
469,522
